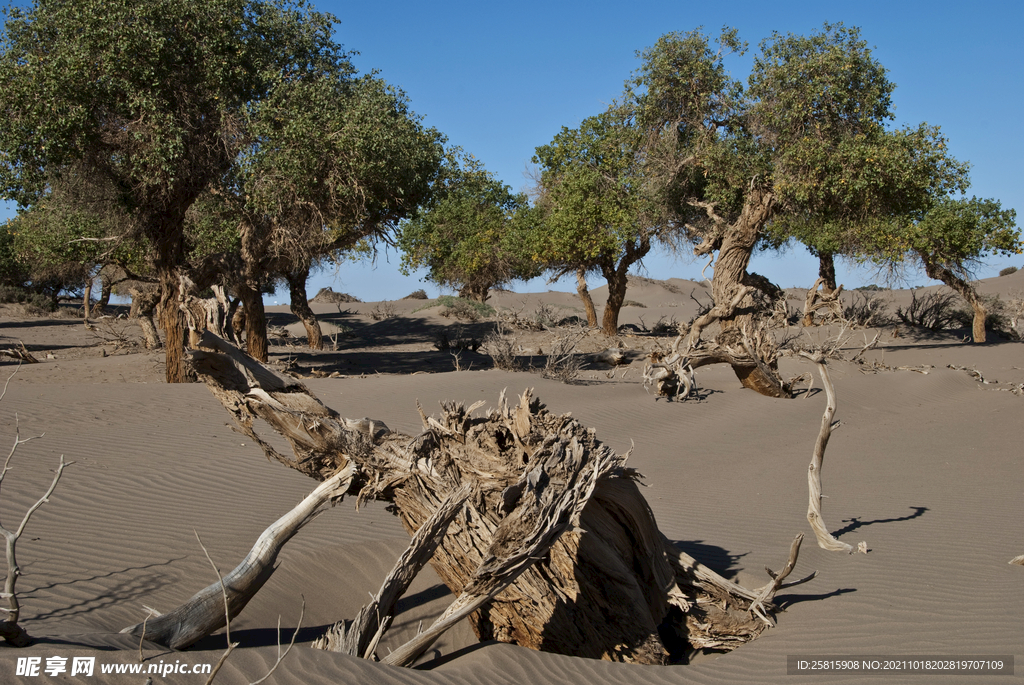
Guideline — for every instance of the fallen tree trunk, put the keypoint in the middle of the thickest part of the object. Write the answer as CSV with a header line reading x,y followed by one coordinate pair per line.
x,y
554,549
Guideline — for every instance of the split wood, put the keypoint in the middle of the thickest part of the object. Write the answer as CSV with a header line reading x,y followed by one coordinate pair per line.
x,y
552,547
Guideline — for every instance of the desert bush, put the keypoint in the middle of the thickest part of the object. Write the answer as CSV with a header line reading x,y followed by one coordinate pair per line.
x,y
463,309
500,346
1008,270
866,311
935,311
35,303
665,326
563,362
328,296
870,288
633,303
383,310
420,294
456,341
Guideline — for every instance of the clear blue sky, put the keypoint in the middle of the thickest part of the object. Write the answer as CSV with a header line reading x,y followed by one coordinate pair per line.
x,y
501,79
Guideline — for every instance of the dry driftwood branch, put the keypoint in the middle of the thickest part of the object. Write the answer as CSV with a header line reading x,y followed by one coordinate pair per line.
x,y
555,548
20,353
10,631
825,539
818,299
1019,561
360,637
202,614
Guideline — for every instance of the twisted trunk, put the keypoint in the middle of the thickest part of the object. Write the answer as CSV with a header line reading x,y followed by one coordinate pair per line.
x,y
554,549
588,302
300,307
733,285
963,288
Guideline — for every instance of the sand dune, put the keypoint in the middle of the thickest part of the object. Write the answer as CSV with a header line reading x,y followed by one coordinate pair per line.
x,y
926,468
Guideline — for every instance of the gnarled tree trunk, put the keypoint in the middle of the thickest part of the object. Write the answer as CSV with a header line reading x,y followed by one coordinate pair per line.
x,y
554,548
300,307
962,288
588,302
732,289
144,303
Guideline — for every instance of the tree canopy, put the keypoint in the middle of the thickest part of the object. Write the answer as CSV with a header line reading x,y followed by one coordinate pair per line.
x,y
471,236
152,96
246,107
803,151
596,210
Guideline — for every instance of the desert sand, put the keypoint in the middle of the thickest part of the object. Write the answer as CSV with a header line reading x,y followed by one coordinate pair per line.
x,y
927,469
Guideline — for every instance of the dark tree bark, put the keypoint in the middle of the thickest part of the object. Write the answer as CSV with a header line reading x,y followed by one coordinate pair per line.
x,y
249,293
255,322
588,302
617,276
300,307
827,272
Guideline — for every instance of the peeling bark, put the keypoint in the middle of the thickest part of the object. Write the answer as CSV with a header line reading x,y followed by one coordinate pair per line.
x,y
555,548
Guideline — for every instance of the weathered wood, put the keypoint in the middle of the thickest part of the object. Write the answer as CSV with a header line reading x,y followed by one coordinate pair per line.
x,y
206,612
555,549
823,299
20,353
825,539
359,638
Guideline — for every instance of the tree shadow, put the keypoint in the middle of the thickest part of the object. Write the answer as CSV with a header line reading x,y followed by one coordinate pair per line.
x,y
268,637
133,587
855,522
716,558
785,601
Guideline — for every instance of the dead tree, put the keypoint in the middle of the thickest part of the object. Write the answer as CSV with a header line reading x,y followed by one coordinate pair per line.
x,y
554,548
213,607
10,631
822,299
825,539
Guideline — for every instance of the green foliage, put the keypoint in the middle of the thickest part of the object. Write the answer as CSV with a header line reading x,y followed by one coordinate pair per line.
x,y
955,234
152,101
460,308
593,202
471,235
810,130
336,152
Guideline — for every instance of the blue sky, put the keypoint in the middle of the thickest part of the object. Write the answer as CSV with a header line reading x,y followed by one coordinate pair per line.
x,y
499,79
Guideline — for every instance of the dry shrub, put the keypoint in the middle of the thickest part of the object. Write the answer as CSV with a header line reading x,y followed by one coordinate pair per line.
x,y
327,295
457,341
564,363
1008,270
935,311
665,327
420,294
384,310
501,346
866,311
